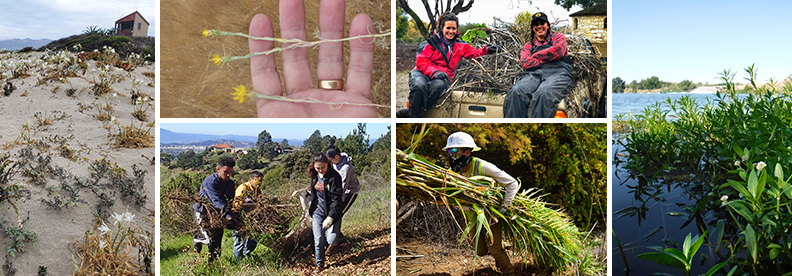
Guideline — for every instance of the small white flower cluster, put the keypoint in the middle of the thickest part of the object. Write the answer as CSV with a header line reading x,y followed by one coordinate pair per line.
x,y
724,199
760,166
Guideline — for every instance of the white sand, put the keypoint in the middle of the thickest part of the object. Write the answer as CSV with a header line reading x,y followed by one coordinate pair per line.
x,y
58,228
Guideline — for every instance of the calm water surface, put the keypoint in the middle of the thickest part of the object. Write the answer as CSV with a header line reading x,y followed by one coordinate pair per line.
x,y
635,103
652,204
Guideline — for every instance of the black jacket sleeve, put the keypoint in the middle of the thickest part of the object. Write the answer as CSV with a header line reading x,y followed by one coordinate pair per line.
x,y
335,192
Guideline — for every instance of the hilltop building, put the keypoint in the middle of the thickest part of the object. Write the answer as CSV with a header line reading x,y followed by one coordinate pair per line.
x,y
132,25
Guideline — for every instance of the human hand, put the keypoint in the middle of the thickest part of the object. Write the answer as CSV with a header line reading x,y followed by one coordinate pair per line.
x,y
327,223
297,70
440,75
493,48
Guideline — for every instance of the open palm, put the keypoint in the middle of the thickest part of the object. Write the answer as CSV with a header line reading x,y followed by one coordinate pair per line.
x,y
296,68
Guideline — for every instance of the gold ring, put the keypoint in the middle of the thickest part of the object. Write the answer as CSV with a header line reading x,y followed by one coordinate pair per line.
x,y
331,84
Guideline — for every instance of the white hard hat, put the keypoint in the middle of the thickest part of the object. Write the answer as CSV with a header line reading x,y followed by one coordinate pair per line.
x,y
461,140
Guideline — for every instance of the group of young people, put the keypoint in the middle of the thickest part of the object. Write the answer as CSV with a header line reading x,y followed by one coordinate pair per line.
x,y
548,78
333,189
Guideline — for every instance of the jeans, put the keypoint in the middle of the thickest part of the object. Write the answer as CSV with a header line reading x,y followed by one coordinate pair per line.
x,y
320,240
424,92
334,235
243,245
538,93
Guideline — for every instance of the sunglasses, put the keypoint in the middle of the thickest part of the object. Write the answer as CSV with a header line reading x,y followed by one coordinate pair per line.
x,y
453,150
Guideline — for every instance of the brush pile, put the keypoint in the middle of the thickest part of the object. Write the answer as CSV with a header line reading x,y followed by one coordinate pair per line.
x,y
497,73
533,228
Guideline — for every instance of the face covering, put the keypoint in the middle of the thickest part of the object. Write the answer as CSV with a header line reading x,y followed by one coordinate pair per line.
x,y
458,161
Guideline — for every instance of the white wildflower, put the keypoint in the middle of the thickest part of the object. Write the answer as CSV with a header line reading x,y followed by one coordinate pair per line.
x,y
724,199
102,244
745,157
104,229
737,163
761,165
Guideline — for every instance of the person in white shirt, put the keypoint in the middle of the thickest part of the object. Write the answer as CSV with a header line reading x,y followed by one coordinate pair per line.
x,y
459,148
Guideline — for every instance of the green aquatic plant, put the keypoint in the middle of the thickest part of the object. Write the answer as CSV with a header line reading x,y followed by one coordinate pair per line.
x,y
738,149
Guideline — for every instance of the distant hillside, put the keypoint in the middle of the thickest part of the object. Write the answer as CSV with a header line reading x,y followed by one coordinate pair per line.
x,y
16,43
169,137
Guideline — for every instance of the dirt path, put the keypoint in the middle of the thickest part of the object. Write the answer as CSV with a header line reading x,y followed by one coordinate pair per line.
x,y
363,254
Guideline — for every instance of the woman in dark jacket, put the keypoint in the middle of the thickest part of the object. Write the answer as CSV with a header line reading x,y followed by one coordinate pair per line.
x,y
326,208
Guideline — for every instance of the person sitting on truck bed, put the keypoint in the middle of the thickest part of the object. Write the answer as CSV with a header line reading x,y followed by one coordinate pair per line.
x,y
549,78
435,64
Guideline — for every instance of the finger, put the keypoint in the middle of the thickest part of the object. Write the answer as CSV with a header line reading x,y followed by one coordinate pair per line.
x,y
296,70
361,57
330,64
262,68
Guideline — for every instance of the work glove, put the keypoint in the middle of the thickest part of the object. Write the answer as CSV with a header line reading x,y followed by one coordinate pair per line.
x,y
440,75
493,48
327,223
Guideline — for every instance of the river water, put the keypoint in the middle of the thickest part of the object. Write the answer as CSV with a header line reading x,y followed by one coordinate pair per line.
x,y
635,103
650,213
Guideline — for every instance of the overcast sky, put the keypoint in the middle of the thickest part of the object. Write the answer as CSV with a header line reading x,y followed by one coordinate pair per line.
x,y
55,19
285,130
677,40
482,11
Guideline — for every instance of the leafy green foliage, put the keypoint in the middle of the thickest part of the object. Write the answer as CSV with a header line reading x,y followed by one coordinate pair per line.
x,y
618,85
475,34
117,42
739,150
314,143
188,160
568,162
402,24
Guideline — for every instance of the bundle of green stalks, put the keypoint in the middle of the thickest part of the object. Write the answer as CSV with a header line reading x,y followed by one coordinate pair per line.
x,y
533,228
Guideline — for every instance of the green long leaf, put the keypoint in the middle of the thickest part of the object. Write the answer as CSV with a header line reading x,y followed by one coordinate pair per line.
x,y
750,240
663,259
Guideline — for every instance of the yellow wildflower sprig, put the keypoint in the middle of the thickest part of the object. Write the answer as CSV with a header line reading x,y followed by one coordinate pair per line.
x,y
242,93
297,43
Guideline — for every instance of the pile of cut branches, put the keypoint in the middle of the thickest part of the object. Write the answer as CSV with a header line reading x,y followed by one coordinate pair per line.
x,y
534,229
499,72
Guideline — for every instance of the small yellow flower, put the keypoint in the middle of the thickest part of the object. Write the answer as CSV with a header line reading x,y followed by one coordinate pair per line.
x,y
206,33
240,94
217,59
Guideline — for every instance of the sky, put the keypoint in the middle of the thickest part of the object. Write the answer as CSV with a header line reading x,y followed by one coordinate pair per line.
x,y
55,19
282,131
482,11
694,40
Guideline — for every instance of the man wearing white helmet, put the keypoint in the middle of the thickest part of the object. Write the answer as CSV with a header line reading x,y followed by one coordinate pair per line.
x,y
459,147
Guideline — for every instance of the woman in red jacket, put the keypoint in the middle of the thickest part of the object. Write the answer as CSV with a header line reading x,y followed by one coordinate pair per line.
x,y
435,64
549,78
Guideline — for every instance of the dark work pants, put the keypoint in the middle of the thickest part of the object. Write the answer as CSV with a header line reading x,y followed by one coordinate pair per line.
x,y
538,93
215,241
424,92
494,247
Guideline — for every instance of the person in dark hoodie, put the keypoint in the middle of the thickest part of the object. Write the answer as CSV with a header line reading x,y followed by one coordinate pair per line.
x,y
326,206
342,164
549,78
435,64
218,190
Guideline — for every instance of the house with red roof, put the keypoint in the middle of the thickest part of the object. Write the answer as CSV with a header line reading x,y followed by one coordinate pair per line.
x,y
132,25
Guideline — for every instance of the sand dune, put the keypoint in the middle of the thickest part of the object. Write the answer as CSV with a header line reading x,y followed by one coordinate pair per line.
x,y
50,110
